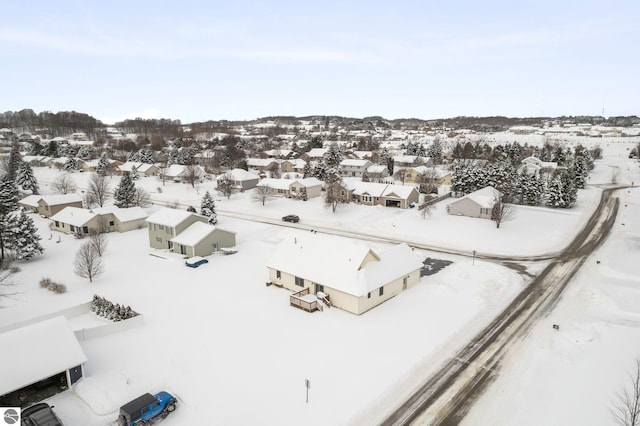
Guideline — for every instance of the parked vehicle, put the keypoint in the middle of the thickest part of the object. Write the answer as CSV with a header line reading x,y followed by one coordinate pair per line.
x,y
145,408
40,414
195,261
291,218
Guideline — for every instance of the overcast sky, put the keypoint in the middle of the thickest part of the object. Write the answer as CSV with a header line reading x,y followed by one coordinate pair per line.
x,y
195,61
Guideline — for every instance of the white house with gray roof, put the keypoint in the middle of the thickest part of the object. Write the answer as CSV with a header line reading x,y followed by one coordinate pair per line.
x,y
354,276
476,204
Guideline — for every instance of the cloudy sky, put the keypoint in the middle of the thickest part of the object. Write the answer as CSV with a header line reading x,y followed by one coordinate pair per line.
x,y
199,60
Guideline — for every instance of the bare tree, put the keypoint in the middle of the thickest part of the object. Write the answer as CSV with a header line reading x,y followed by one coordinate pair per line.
x,y
336,193
97,190
87,262
142,197
502,211
6,282
162,172
262,193
64,184
225,184
99,242
401,175
429,181
191,174
626,408
427,209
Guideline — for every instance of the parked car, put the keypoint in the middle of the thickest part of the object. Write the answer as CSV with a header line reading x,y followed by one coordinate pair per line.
x,y
291,218
195,261
144,409
40,414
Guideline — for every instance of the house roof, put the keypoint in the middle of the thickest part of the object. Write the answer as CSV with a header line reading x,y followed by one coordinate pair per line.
x,y
195,233
317,152
377,168
283,184
354,162
260,162
240,175
141,167
401,191
483,197
58,199
371,188
309,182
59,351
338,263
31,200
169,217
123,214
75,216
405,159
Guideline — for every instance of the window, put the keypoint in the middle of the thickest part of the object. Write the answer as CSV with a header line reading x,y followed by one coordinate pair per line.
x,y
158,239
85,229
300,282
485,211
160,226
169,230
72,228
369,295
381,291
319,288
57,224
111,223
278,274
404,283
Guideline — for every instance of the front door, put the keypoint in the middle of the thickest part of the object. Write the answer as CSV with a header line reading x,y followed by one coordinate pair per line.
x,y
319,288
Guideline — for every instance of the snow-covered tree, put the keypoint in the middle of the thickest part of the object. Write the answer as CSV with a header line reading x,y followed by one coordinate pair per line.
x,y
320,171
336,192
384,156
134,173
71,165
435,151
103,167
86,153
146,156
569,189
64,184
97,190
8,196
125,194
333,157
87,262
14,161
21,236
225,184
26,179
307,170
554,193
262,193
208,208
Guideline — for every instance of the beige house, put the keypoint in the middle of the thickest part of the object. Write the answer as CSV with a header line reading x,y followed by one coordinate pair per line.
x,y
181,173
354,167
241,180
358,278
533,166
294,188
166,223
144,169
48,205
377,172
373,193
202,239
477,204
74,220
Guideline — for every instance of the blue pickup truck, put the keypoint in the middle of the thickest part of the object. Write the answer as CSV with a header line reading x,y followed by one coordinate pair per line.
x,y
146,408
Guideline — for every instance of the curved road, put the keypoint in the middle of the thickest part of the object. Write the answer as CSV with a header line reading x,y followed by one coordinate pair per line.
x,y
446,396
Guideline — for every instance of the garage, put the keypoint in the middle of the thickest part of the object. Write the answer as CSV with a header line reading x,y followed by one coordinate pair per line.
x,y
393,203
44,358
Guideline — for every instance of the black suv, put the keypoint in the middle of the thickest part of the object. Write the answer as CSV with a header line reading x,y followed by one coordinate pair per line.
x,y
40,415
291,218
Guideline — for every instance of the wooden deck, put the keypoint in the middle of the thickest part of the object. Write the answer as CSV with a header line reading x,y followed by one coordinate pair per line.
x,y
307,302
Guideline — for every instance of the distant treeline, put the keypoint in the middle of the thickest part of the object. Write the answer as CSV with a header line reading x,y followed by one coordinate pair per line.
x,y
52,124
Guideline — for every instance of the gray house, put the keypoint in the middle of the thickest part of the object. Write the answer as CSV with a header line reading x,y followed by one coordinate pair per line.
x,y
202,239
477,204
167,223
241,179
48,205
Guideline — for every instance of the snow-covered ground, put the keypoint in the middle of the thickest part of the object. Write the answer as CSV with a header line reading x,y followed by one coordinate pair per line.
x,y
234,352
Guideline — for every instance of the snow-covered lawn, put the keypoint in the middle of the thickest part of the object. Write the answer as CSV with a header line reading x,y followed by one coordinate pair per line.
x,y
234,352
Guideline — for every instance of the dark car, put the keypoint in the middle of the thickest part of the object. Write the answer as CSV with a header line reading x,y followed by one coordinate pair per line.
x,y
291,218
195,261
40,415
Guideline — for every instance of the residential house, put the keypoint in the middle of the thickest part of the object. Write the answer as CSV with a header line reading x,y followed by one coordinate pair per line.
x,y
279,153
303,188
263,164
401,162
351,276
202,239
241,179
166,223
182,173
317,153
388,195
92,165
73,220
144,169
293,165
377,172
48,205
476,204
354,167
533,166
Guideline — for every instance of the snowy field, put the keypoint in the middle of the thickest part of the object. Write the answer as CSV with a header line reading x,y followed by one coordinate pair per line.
x,y
235,353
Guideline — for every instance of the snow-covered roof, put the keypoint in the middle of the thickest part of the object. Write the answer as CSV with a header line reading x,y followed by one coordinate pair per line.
x,y
169,217
260,162
309,182
36,352
484,197
195,233
405,159
31,200
401,191
317,152
283,184
369,188
141,167
278,152
58,199
377,168
354,268
354,162
296,162
75,216
240,175
124,215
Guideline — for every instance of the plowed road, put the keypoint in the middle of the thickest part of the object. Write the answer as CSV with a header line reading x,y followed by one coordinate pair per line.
x,y
445,397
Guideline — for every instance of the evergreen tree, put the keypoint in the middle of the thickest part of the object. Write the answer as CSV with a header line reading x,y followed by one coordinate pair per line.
x,y
435,151
146,156
320,171
22,236
15,160
8,196
333,156
86,153
103,166
580,172
71,165
52,149
208,208
569,189
125,194
307,170
554,194
134,173
26,179
384,156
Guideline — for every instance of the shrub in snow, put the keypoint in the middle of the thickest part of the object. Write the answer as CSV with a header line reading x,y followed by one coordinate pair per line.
x,y
44,283
106,309
53,286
